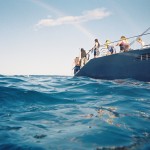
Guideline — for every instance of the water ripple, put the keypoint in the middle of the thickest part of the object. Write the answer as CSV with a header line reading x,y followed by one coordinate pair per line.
x,y
58,112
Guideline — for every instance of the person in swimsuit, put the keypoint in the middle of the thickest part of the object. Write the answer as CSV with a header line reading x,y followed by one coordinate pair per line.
x,y
124,44
110,47
77,65
96,48
83,57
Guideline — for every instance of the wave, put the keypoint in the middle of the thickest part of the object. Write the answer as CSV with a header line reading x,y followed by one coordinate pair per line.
x,y
82,113
11,95
57,89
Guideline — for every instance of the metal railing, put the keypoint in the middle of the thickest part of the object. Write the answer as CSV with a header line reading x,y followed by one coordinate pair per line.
x,y
104,49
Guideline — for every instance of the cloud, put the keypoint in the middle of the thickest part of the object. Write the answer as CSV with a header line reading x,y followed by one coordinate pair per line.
x,y
95,14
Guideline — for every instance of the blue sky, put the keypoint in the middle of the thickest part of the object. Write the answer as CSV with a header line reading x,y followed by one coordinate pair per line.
x,y
44,36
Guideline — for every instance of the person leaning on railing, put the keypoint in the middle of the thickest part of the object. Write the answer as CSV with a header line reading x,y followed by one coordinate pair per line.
x,y
96,48
110,47
124,44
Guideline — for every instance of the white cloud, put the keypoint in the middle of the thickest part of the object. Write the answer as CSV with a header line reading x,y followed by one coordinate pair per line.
x,y
95,14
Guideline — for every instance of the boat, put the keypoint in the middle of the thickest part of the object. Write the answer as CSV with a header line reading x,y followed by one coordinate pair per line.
x,y
134,64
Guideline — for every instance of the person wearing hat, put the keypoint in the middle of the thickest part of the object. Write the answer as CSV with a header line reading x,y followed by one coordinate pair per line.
x,y
111,49
124,44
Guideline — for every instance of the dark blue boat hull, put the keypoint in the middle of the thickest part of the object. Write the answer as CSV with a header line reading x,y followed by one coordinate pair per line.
x,y
134,64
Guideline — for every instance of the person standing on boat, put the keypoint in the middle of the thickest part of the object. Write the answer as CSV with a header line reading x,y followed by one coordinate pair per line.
x,y
124,44
140,41
77,65
96,48
83,57
110,47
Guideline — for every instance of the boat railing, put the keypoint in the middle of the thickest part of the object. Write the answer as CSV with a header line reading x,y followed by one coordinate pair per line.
x,y
104,50
137,36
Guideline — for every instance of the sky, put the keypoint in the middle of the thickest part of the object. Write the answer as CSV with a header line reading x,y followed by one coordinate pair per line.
x,y
42,37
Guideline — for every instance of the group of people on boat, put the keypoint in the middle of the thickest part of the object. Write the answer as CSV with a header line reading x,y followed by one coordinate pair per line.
x,y
84,57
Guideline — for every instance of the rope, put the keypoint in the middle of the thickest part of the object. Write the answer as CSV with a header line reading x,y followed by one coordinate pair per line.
x,y
129,38
139,36
136,36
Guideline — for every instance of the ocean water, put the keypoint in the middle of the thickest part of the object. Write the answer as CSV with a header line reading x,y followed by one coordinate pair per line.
x,y
73,113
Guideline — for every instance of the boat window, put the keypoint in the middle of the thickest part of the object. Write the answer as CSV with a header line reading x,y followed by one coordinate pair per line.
x,y
143,57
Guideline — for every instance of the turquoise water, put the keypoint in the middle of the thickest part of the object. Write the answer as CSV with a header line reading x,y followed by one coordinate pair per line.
x,y
66,113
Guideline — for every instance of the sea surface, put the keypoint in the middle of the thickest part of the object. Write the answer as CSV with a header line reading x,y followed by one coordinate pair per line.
x,y
73,113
